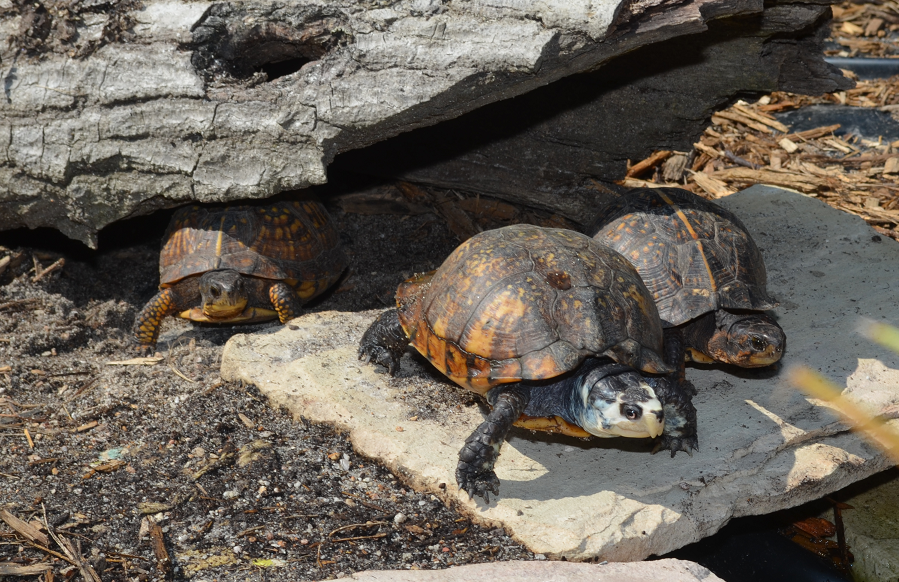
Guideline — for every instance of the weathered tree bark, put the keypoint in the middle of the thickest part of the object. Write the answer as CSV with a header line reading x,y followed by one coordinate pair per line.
x,y
549,147
114,108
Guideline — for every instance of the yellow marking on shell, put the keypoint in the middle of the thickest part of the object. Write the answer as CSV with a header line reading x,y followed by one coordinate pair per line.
x,y
482,339
554,424
456,363
683,218
639,298
306,289
437,352
220,237
540,365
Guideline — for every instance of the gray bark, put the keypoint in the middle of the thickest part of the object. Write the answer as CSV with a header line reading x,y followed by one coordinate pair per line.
x,y
549,148
116,109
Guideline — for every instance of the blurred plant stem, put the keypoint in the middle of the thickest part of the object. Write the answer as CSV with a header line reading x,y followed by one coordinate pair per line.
x,y
817,386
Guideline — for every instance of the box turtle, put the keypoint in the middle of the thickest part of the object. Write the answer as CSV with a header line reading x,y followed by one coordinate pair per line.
x,y
242,264
704,270
535,319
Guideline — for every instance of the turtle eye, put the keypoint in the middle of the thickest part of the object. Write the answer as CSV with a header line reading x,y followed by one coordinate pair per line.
x,y
215,291
758,343
631,412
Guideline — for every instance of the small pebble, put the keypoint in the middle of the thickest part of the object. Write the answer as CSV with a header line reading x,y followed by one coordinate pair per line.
x,y
237,549
399,518
539,556
230,494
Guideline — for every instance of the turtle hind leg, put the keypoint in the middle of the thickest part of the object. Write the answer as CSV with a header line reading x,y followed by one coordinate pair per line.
x,y
285,301
384,342
474,473
146,326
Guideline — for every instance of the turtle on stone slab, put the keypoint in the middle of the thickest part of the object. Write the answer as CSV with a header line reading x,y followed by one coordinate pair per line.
x,y
552,328
704,271
242,264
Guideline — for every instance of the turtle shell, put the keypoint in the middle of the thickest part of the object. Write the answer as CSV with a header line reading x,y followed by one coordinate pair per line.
x,y
529,303
694,256
293,242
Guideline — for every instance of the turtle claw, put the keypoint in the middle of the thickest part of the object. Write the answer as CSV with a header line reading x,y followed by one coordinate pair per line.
x,y
673,443
480,484
384,342
379,355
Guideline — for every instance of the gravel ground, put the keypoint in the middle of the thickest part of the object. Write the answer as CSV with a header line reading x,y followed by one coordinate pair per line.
x,y
118,458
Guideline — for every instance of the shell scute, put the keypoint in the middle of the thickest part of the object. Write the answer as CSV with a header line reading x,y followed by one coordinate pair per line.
x,y
525,302
287,241
693,255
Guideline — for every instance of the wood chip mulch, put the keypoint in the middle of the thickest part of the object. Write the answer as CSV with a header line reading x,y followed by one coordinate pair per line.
x,y
868,30
746,145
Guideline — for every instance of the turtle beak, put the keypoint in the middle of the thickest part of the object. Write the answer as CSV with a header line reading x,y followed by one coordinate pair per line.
x,y
654,419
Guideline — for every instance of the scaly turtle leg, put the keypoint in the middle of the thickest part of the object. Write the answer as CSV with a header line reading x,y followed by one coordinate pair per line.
x,y
474,473
168,301
384,342
676,392
285,301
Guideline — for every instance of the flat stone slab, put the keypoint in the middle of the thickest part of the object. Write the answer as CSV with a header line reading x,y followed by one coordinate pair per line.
x,y
763,445
657,571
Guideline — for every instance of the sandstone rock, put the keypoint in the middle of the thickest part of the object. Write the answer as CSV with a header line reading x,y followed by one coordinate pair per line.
x,y
763,445
116,113
657,571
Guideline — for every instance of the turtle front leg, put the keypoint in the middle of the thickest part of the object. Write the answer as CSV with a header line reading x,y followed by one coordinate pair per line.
x,y
676,394
285,301
168,301
474,473
384,342
679,433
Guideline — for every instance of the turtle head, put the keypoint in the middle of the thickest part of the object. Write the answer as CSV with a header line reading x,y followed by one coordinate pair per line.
x,y
223,294
749,340
615,400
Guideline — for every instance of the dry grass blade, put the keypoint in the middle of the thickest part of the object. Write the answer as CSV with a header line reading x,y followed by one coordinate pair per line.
x,y
40,273
357,525
12,569
72,555
24,529
147,361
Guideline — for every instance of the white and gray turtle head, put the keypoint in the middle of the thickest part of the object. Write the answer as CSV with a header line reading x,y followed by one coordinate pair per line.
x,y
617,401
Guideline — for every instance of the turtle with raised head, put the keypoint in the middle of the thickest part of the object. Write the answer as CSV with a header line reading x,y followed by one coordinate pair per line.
x,y
704,271
242,264
550,327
